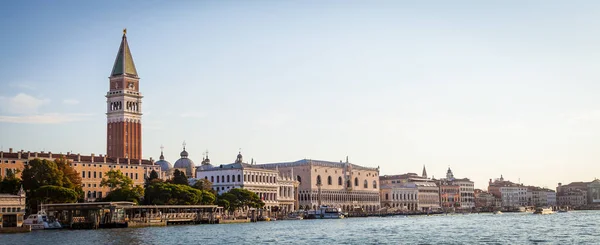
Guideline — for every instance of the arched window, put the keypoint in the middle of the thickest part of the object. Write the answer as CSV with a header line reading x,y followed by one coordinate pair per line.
x,y
217,179
318,179
227,178
239,178
374,184
212,179
386,196
366,184
355,181
223,178
329,182
348,184
339,180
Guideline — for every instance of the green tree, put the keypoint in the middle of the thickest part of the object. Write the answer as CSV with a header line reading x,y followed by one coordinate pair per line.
x,y
56,194
179,178
39,173
71,178
10,183
121,187
242,198
203,184
153,175
208,198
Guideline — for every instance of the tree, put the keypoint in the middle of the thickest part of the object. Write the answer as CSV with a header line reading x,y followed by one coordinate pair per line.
x,y
179,178
10,183
242,198
121,187
208,198
56,194
203,184
50,181
153,175
153,178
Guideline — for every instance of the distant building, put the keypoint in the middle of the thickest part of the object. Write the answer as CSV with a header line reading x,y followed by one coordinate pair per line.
x,y
512,195
400,196
579,194
275,188
540,197
12,209
466,187
428,194
344,185
92,168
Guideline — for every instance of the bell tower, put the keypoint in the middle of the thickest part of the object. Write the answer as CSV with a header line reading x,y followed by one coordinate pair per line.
x,y
124,107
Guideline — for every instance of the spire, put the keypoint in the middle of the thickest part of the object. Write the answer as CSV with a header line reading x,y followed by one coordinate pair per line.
x,y
124,61
162,157
424,172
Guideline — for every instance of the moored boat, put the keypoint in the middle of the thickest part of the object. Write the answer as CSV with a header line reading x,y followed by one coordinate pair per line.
x,y
498,212
41,221
543,211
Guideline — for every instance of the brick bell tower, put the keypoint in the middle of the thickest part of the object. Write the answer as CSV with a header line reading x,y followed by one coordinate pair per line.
x,y
124,107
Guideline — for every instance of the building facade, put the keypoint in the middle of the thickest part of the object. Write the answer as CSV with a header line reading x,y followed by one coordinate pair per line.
x,y
92,168
12,209
344,185
512,195
275,188
400,196
428,193
124,107
466,188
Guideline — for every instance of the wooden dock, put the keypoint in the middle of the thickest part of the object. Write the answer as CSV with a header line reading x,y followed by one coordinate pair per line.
x,y
128,214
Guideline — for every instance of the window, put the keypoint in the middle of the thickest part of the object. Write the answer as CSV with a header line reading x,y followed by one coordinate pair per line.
x,y
374,184
89,174
386,196
298,178
212,179
329,180
83,174
339,180
228,178
366,184
94,174
239,178
100,175
217,179
355,181
99,194
136,175
318,179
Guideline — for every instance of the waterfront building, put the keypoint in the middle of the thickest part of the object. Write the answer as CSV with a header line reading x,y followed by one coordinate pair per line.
x,y
276,188
579,194
466,187
486,201
512,195
449,195
540,197
12,209
344,185
428,194
401,196
91,167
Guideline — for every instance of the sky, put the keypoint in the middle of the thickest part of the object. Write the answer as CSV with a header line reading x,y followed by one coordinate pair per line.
x,y
487,88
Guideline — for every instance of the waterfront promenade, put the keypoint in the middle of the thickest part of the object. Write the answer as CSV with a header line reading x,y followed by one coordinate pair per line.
x,y
577,227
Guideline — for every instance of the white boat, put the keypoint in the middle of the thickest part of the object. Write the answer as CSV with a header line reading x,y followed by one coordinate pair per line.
x,y
498,212
326,212
41,221
543,211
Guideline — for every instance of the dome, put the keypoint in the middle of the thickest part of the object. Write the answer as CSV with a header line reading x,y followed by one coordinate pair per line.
x,y
185,163
164,164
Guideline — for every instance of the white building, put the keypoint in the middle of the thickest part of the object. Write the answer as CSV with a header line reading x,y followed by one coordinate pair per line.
x,y
466,190
274,188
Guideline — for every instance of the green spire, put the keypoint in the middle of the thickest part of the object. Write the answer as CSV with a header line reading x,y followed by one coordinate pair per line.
x,y
124,61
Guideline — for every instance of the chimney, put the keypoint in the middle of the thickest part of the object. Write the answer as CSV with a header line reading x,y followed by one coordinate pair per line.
x,y
93,155
104,158
50,154
78,157
117,161
9,150
128,161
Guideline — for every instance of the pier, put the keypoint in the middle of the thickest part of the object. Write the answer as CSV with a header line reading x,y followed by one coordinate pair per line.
x,y
128,214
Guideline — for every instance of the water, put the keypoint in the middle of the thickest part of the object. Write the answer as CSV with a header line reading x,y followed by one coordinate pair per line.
x,y
576,227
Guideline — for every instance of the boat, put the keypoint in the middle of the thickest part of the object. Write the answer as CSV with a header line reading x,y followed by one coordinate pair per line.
x,y
326,212
543,211
41,221
498,212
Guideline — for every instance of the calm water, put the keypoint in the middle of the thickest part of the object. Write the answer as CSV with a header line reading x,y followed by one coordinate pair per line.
x,y
577,227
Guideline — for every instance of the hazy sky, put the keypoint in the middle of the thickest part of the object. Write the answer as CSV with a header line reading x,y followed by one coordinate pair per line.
x,y
487,88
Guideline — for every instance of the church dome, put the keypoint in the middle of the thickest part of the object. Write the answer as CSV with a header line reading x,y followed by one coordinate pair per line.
x,y
185,163
164,164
